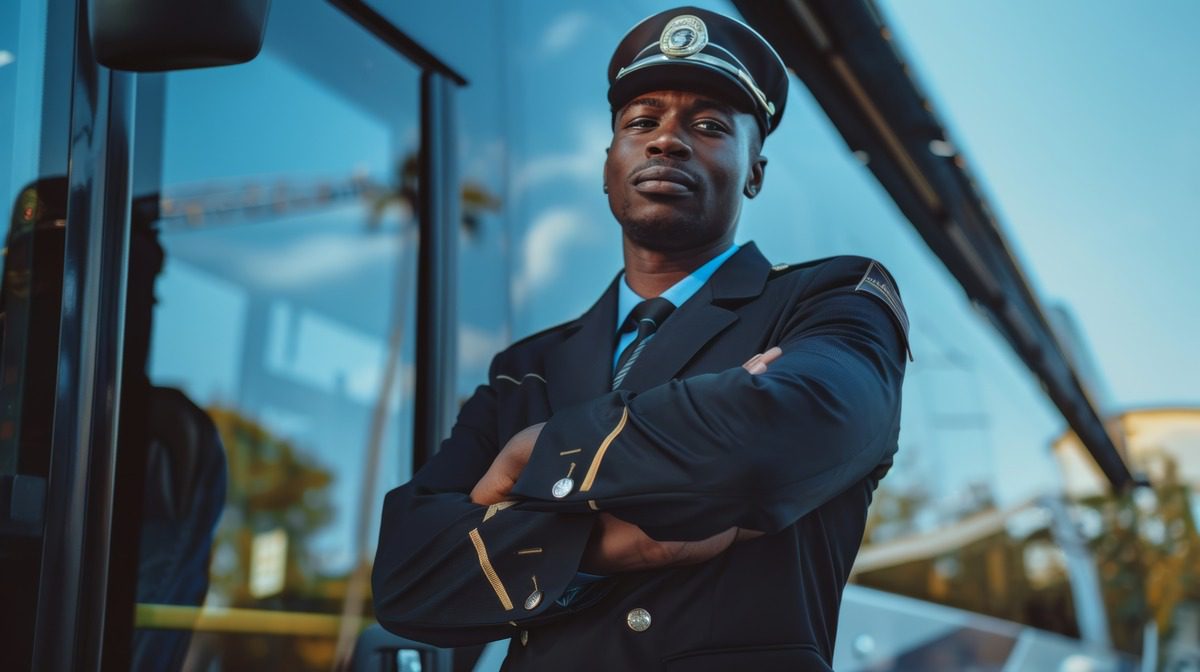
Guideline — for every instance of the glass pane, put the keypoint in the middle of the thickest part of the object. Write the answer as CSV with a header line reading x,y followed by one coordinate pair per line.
x,y
32,207
22,45
33,191
280,271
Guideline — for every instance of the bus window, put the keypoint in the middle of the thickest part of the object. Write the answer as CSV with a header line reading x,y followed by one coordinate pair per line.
x,y
271,297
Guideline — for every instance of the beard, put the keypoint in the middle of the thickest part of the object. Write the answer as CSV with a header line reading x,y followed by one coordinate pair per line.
x,y
661,229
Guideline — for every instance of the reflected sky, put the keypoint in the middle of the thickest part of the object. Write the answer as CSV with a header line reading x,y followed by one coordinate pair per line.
x,y
1083,121
278,290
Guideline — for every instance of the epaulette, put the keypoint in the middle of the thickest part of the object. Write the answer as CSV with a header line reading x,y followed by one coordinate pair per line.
x,y
879,283
783,269
780,269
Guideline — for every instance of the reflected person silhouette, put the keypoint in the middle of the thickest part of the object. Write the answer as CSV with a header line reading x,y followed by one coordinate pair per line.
x,y
30,301
184,483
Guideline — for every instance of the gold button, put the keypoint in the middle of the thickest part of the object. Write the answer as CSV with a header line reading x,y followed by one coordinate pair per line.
x,y
534,599
638,620
524,638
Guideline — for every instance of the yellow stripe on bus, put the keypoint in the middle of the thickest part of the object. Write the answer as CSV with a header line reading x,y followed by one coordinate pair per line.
x,y
250,621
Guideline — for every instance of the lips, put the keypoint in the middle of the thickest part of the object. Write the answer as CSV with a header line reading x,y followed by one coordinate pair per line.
x,y
663,180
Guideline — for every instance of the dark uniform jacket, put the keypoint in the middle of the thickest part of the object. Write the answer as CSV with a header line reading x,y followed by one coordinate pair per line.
x,y
691,445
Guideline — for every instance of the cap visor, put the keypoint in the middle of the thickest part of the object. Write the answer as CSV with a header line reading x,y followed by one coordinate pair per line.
x,y
685,76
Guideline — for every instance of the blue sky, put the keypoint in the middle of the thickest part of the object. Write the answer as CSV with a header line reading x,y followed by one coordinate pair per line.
x,y
1082,120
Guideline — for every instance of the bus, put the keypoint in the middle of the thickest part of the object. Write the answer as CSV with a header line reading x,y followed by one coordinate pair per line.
x,y
250,274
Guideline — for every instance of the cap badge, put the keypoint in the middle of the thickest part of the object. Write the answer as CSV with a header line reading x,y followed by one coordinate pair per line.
x,y
684,35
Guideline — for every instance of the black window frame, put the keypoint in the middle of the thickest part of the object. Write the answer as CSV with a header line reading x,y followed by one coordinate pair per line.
x,y
84,612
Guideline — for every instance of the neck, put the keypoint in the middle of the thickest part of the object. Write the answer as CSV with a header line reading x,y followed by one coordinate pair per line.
x,y
652,272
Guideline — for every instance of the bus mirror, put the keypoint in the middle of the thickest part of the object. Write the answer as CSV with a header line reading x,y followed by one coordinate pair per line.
x,y
160,35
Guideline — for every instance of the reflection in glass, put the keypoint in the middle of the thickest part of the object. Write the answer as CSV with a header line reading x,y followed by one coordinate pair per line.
x,y
22,54
284,312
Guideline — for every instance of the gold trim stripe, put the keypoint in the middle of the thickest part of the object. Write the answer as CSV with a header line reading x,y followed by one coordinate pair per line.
x,y
496,508
595,466
488,570
529,551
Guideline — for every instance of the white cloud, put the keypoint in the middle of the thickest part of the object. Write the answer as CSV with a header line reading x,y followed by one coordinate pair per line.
x,y
476,347
314,259
564,32
545,246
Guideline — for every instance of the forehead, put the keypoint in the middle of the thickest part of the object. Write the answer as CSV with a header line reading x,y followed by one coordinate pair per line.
x,y
688,101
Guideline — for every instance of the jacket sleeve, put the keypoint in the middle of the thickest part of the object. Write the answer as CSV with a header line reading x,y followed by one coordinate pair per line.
x,y
692,457
449,572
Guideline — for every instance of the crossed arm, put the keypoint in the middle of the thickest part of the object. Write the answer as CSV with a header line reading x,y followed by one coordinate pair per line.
x,y
615,545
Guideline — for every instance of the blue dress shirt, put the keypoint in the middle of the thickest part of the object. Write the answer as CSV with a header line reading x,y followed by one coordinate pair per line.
x,y
677,294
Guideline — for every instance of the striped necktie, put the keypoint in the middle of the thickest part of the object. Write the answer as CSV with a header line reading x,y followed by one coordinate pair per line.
x,y
646,317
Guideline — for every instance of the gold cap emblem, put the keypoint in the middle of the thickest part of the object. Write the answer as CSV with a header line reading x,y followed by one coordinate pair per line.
x,y
684,35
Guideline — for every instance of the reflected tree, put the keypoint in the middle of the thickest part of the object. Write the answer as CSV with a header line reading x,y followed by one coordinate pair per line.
x,y
273,486
1149,555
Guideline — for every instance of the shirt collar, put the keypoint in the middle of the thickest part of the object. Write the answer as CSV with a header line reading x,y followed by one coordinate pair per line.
x,y
678,293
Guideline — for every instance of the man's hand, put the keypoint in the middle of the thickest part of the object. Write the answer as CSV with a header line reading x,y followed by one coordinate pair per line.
x,y
500,478
617,546
758,363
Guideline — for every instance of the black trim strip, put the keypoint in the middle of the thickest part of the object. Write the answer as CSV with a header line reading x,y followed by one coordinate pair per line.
x,y
438,210
381,27
70,626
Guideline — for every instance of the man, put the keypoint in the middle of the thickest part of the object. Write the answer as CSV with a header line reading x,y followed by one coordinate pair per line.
x,y
678,479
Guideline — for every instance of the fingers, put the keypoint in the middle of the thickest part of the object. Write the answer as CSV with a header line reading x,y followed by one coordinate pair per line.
x,y
617,546
693,552
493,488
746,535
758,363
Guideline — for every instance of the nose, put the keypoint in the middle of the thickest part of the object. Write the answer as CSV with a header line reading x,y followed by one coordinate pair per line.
x,y
668,143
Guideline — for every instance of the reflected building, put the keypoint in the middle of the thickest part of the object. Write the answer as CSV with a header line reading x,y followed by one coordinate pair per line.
x,y
1146,543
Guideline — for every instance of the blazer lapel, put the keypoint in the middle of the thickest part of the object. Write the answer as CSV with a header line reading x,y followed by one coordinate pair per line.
x,y
700,319
580,368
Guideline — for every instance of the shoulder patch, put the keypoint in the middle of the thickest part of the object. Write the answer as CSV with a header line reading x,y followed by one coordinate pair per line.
x,y
878,283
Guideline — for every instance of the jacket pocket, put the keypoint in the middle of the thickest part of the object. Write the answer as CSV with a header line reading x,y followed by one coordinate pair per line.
x,y
773,658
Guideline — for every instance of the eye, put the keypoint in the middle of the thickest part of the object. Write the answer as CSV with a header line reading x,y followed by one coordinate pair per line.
x,y
641,122
712,126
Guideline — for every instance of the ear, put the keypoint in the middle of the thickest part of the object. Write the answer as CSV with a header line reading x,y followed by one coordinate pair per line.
x,y
758,170
604,172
